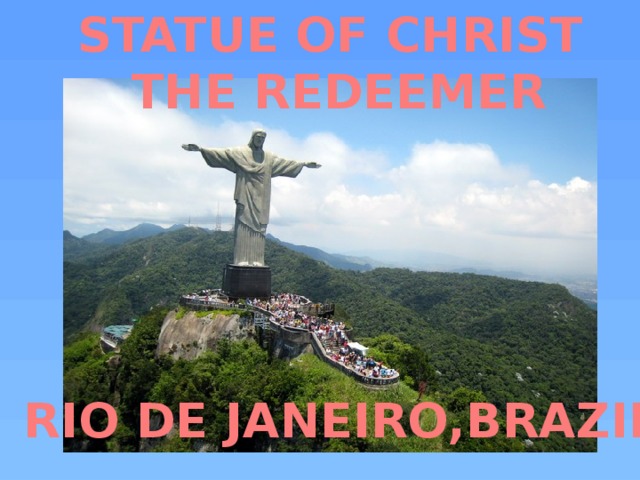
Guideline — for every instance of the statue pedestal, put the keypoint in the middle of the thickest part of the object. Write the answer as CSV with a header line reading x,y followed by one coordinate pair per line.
x,y
246,282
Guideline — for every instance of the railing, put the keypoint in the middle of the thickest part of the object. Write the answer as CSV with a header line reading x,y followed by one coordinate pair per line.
x,y
209,305
373,381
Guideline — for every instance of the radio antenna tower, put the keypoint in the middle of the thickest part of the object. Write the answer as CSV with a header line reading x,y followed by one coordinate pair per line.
x,y
218,227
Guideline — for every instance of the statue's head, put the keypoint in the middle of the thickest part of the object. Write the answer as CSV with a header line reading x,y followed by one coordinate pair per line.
x,y
257,138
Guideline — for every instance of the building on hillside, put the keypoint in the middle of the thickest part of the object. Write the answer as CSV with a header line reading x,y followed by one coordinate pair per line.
x,y
112,336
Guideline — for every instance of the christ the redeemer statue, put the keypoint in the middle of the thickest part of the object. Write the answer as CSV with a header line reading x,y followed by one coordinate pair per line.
x,y
254,169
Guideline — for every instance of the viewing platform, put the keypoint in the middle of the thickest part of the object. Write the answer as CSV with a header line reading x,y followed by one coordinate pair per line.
x,y
112,336
299,321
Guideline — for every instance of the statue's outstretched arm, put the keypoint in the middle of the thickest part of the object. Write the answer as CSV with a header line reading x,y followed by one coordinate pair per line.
x,y
312,165
191,147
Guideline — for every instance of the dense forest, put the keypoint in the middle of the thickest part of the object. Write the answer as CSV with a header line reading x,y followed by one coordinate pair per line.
x,y
470,337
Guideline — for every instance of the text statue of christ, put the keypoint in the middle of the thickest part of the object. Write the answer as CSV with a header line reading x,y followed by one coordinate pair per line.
x,y
254,169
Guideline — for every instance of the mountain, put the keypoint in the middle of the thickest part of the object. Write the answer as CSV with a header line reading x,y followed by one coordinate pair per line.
x,y
113,237
75,248
72,243
512,340
582,287
343,262
114,283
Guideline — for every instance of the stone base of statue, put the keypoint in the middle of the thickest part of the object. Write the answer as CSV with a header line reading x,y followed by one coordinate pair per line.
x,y
246,282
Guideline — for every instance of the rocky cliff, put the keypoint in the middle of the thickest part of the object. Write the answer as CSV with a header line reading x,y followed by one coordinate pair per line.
x,y
190,335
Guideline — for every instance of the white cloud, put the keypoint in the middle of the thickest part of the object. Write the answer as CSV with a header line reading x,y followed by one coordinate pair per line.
x,y
124,165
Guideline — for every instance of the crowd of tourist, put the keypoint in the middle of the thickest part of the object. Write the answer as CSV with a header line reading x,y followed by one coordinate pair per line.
x,y
361,364
287,310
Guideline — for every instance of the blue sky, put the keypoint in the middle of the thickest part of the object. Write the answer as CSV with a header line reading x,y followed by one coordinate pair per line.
x,y
557,143
39,58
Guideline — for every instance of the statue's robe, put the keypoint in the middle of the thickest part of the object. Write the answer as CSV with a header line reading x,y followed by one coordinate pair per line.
x,y
252,194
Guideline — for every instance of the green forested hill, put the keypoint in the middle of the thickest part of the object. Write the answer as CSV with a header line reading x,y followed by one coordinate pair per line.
x,y
512,340
113,286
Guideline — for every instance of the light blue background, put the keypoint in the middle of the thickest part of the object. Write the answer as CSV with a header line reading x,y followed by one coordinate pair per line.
x,y
40,45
